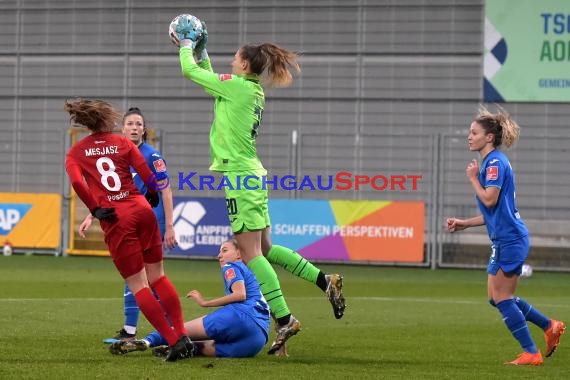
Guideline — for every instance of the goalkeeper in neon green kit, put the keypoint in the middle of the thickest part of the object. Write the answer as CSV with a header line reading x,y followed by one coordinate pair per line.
x,y
239,102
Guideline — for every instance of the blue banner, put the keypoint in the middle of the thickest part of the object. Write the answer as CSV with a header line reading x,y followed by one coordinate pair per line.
x,y
201,226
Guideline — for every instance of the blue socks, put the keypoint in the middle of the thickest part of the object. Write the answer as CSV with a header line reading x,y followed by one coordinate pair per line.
x,y
155,339
131,308
531,314
516,323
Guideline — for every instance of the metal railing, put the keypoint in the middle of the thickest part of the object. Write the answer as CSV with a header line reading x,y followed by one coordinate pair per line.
x,y
440,160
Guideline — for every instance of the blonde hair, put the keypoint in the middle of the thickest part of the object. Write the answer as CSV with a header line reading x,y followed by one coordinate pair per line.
x,y
96,115
234,242
273,61
500,124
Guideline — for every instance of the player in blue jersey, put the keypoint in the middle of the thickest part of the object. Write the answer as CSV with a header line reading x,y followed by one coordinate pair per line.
x,y
494,185
238,329
134,127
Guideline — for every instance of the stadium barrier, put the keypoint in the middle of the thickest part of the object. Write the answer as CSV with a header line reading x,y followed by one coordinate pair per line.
x,y
443,190
355,231
31,222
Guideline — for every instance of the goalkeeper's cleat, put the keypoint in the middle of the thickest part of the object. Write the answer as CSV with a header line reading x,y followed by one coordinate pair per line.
x,y
282,351
552,336
284,333
527,358
184,348
334,294
125,346
122,334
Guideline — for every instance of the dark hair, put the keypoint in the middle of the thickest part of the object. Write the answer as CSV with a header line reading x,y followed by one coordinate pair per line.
x,y
274,60
96,114
505,130
136,111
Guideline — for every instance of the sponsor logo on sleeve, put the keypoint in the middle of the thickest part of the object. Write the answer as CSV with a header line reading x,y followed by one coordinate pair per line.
x,y
230,274
159,165
492,173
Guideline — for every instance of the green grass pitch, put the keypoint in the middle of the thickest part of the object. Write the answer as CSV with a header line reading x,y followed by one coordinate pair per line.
x,y
400,323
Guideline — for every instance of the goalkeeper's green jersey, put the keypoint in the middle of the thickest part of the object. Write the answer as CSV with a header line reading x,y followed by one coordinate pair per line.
x,y
238,107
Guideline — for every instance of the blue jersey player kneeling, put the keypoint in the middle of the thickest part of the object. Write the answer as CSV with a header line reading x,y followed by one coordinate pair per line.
x,y
238,329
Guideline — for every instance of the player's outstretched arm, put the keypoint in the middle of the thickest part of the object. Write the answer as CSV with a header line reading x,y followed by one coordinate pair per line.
x,y
455,224
238,295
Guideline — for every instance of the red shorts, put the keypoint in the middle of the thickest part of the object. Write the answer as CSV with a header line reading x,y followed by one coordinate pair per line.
x,y
133,239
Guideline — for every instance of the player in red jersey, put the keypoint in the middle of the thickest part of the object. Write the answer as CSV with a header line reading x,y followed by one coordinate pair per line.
x,y
99,171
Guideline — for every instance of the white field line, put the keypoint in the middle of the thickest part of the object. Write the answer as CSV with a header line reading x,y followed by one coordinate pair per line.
x,y
349,299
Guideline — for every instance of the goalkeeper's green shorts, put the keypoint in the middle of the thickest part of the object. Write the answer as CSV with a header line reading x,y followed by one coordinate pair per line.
x,y
246,200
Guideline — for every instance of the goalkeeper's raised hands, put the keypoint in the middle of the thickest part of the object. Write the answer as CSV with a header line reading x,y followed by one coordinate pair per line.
x,y
188,30
200,52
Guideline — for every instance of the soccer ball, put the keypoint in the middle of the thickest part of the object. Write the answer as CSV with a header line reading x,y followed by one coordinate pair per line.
x,y
526,271
192,20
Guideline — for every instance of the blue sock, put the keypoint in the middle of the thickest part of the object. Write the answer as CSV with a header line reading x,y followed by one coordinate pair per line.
x,y
532,315
155,339
131,308
514,319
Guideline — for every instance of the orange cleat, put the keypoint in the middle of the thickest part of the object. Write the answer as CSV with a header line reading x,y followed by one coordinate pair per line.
x,y
527,358
552,336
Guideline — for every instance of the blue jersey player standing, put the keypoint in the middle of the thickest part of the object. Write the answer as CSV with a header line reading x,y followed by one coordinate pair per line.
x,y
239,328
134,127
494,186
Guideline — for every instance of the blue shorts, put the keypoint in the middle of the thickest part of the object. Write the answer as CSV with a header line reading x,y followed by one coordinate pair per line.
x,y
236,334
509,257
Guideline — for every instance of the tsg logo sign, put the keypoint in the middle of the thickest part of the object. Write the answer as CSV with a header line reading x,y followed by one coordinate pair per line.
x,y
11,214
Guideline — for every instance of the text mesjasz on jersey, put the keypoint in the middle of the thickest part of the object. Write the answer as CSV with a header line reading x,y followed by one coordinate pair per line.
x,y
103,151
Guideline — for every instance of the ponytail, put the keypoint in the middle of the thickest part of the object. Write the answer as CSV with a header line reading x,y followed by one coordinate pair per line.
x,y
500,124
95,115
273,61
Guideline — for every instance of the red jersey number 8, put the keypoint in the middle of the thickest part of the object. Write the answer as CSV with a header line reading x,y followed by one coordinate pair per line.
x,y
108,173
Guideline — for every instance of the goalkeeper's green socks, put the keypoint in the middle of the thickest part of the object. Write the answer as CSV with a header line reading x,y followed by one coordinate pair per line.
x,y
269,285
293,262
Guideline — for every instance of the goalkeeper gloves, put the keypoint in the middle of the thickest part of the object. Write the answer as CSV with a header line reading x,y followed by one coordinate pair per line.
x,y
104,213
152,198
189,30
200,53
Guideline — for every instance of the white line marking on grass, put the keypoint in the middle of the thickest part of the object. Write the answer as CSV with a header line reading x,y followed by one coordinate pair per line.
x,y
443,301
379,299
58,299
